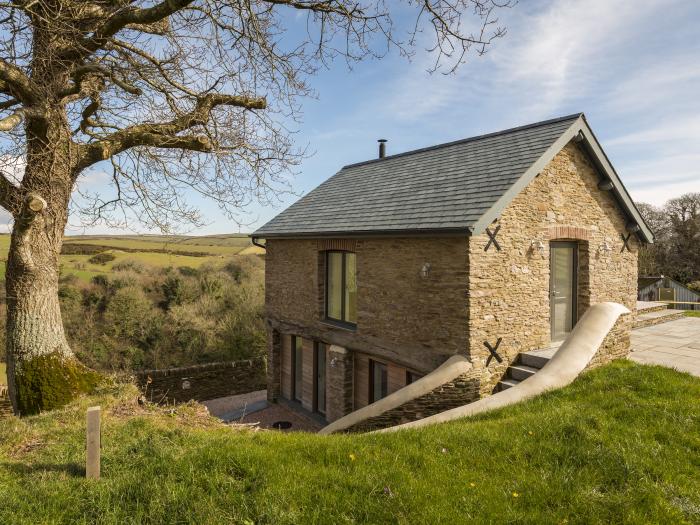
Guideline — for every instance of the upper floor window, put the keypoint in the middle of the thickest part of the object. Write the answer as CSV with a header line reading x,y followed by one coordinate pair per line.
x,y
341,287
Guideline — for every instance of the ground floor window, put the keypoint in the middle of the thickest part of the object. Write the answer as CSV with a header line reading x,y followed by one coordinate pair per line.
x,y
379,381
297,367
412,377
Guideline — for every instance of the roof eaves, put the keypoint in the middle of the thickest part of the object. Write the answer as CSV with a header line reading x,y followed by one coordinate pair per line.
x,y
363,233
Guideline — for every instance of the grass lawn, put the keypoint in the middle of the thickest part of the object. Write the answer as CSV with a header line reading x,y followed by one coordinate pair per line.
x,y
3,374
692,313
620,445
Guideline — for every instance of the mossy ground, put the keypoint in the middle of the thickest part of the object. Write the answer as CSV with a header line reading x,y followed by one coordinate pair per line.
x,y
51,381
620,445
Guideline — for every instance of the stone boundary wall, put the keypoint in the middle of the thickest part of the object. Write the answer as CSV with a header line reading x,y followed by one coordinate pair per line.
x,y
203,382
461,390
616,345
643,323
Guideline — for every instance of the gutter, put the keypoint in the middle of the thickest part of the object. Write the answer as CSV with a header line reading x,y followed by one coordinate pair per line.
x,y
254,240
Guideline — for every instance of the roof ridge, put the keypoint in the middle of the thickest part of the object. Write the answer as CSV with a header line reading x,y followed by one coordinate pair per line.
x,y
468,139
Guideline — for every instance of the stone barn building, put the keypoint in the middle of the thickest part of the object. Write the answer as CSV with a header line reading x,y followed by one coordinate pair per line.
x,y
487,247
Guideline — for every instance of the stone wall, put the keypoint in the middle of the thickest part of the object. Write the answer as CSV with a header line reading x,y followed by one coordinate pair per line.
x,y
617,343
339,378
460,391
203,382
403,318
509,289
470,296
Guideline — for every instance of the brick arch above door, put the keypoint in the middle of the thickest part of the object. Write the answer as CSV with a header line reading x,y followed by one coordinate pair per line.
x,y
569,232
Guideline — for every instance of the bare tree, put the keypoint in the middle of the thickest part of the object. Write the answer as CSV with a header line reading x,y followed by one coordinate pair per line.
x,y
166,96
652,257
676,248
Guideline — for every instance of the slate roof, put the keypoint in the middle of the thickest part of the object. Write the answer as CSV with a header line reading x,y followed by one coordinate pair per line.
x,y
448,187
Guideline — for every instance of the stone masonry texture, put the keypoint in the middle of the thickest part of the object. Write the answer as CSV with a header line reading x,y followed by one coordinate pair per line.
x,y
402,317
509,289
460,391
203,382
339,374
469,295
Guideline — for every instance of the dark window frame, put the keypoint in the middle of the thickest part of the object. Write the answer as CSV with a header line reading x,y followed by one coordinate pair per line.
x,y
293,355
412,377
343,288
372,364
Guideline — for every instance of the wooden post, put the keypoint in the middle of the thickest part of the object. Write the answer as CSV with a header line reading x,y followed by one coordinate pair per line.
x,y
92,467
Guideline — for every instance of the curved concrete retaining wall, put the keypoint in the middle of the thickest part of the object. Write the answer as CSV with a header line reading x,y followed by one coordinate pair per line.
x,y
577,353
203,382
452,384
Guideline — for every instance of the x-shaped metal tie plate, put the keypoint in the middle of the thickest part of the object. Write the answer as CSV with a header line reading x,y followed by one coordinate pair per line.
x,y
494,351
625,242
492,239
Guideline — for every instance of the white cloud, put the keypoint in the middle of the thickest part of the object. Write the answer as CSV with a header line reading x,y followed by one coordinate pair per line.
x,y
658,195
549,58
657,179
685,129
670,82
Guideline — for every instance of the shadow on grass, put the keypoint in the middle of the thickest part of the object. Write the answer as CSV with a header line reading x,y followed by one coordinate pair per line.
x,y
72,469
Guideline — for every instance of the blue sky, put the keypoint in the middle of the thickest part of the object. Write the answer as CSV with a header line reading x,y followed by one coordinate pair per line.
x,y
633,66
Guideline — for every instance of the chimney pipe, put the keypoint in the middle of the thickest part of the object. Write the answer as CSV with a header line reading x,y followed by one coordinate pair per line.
x,y
382,148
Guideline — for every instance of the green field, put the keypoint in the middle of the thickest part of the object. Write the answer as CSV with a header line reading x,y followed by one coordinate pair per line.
x,y
154,250
619,445
3,374
214,245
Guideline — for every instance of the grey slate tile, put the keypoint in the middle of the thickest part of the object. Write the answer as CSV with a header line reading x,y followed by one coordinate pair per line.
x,y
446,186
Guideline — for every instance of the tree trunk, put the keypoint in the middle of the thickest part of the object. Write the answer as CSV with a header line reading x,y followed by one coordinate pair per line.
x,y
42,372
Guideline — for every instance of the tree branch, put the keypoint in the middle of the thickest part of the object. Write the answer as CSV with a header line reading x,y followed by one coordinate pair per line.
x,y
10,195
15,83
11,121
131,17
81,73
165,134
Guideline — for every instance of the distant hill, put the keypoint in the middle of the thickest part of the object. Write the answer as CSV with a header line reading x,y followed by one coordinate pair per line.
x,y
155,250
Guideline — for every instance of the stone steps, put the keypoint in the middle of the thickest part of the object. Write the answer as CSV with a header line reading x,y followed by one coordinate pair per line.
x,y
522,372
536,358
526,365
505,384
652,318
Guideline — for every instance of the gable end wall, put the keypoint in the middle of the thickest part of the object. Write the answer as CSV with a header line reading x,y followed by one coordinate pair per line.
x,y
509,289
